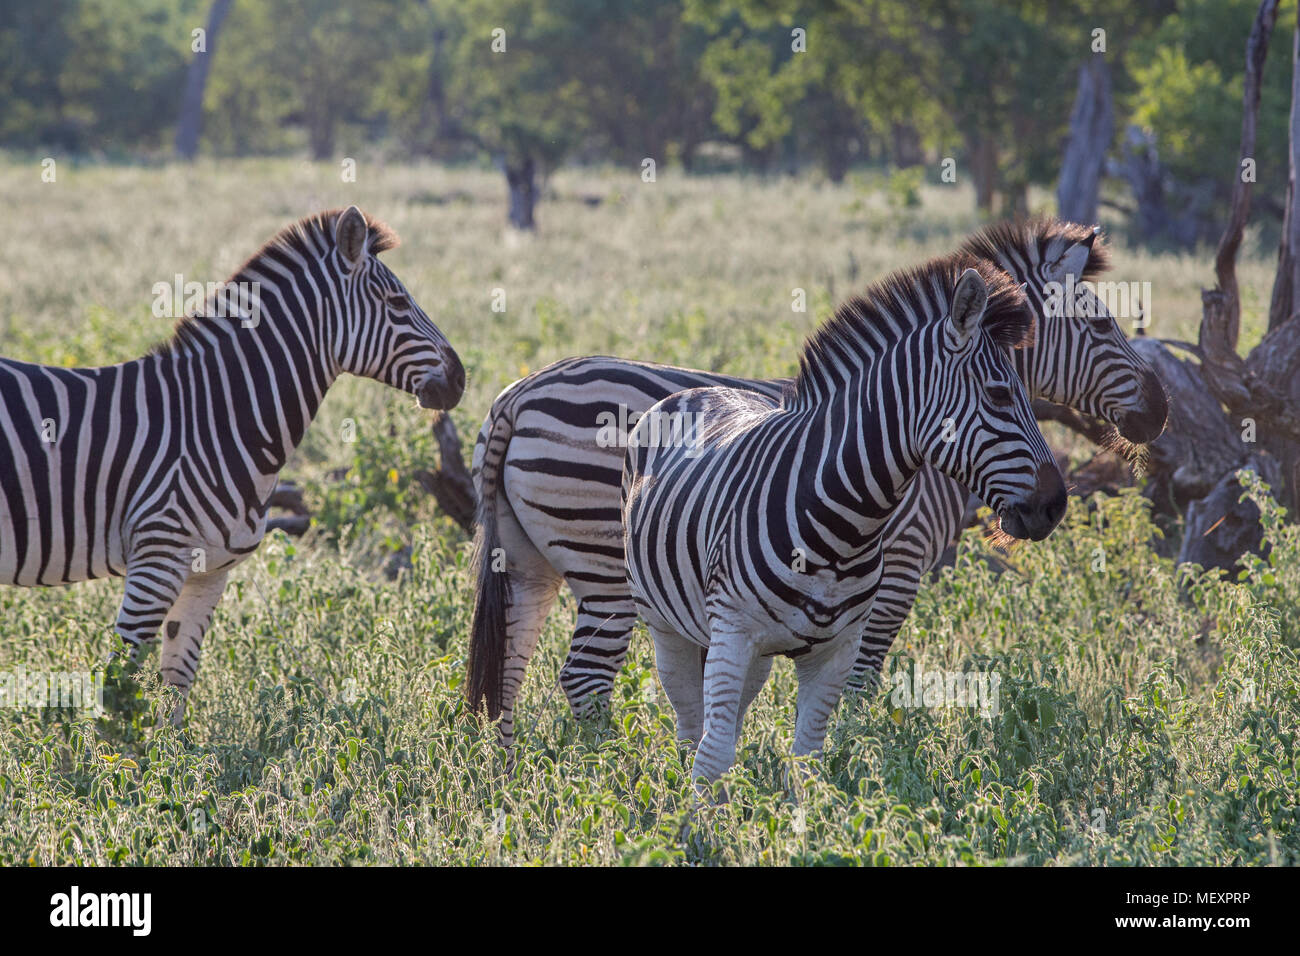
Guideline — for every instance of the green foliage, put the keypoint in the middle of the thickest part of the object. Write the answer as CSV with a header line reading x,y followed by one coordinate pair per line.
x,y
1147,714
79,75
1133,726
1189,74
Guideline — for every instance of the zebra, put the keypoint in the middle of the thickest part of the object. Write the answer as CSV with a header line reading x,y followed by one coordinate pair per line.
x,y
548,489
161,469
758,530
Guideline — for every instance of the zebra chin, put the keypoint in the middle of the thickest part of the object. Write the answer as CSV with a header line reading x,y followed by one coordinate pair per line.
x,y
1035,517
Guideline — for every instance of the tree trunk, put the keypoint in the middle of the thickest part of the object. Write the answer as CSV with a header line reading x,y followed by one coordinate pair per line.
x,y
435,107
906,150
321,137
1286,284
521,179
1140,165
983,163
190,121
1092,124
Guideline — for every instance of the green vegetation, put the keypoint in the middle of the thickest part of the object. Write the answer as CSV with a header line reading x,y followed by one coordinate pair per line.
x,y
1146,715
773,84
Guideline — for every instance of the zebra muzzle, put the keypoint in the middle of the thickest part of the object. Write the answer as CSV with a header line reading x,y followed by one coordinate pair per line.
x,y
443,389
1034,517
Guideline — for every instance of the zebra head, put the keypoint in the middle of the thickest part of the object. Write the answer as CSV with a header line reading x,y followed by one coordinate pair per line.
x,y
1080,356
977,426
384,334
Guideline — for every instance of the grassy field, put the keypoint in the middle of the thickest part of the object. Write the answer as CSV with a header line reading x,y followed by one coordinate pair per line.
x,y
1146,715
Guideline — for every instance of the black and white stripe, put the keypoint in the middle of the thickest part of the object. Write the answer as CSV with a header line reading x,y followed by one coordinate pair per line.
x,y
160,469
549,490
763,536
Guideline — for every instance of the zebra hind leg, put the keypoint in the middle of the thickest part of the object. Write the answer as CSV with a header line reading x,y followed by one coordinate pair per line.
x,y
680,664
531,596
601,637
182,634
822,677
727,672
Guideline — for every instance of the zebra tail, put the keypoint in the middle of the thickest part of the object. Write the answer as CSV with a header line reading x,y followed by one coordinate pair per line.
x,y
487,642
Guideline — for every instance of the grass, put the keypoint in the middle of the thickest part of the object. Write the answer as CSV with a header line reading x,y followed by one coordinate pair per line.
x,y
1145,714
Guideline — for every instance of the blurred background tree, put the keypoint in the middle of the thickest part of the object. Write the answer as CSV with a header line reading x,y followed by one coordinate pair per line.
x,y
775,86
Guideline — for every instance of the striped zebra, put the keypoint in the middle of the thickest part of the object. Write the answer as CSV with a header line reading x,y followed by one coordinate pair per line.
x,y
160,469
754,528
548,475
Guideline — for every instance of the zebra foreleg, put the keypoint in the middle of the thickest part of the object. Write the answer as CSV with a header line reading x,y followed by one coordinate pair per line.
x,y
182,634
600,641
882,627
754,681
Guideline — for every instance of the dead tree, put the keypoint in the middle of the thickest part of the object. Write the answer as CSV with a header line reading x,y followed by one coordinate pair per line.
x,y
1228,412
1092,125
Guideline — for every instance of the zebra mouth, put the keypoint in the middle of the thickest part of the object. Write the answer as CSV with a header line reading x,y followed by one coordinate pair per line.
x,y
443,389
437,395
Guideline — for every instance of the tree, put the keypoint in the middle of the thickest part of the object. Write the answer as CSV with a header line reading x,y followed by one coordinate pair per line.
x,y
1092,127
196,80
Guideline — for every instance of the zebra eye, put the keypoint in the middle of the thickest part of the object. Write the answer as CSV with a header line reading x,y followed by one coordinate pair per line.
x,y
1100,325
399,301
1000,395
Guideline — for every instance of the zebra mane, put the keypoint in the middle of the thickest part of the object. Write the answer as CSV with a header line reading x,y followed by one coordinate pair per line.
x,y
1019,244
311,237
863,327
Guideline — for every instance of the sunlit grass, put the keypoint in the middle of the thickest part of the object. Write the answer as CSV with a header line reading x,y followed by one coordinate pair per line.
x,y
1140,719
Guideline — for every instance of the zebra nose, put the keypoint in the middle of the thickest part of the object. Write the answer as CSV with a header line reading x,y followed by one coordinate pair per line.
x,y
1035,516
1146,424
444,389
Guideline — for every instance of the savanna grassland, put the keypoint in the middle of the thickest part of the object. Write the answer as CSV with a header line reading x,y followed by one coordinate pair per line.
x,y
1147,714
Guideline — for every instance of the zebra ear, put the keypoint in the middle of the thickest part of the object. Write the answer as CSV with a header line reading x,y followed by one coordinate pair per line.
x,y
1072,261
969,300
350,234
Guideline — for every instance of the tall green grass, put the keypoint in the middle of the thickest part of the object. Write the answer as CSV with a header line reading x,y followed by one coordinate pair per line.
x,y
1146,714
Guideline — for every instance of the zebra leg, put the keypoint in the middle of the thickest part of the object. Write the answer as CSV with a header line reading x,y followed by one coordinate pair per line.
x,y
531,598
892,605
821,681
599,647
150,591
681,672
726,676
533,585
754,681
182,633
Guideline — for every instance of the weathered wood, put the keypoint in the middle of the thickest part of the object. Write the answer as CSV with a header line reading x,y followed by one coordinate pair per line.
x,y
1286,284
1199,444
450,483
1228,313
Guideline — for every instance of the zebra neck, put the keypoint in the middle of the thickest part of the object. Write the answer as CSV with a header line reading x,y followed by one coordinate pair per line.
x,y
857,464
260,387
